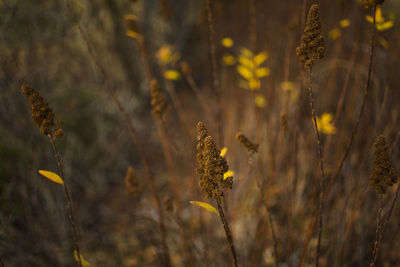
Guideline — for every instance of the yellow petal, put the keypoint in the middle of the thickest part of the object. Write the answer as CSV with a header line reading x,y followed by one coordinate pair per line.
x,y
172,75
260,58
245,72
228,174
383,42
248,63
223,151
378,15
130,17
344,23
52,176
227,42
260,101
334,34
262,72
287,86
83,261
204,205
164,54
324,124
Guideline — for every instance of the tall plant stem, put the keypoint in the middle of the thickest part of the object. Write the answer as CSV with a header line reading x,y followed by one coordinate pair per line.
x,y
351,140
216,83
322,178
227,231
68,199
377,233
135,137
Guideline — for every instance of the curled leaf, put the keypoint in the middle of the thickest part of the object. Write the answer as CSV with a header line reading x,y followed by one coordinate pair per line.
x,y
52,176
205,205
83,261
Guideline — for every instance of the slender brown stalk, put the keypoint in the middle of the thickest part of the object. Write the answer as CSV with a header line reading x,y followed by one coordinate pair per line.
x,y
227,231
271,222
322,178
351,140
216,83
68,199
386,223
377,233
138,143
1,262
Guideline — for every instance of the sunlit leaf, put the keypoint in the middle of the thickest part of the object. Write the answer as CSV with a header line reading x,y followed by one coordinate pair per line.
x,y
133,34
260,101
344,23
287,86
325,125
245,72
205,205
246,53
260,58
254,84
228,60
334,33
227,42
172,75
228,174
52,176
384,26
83,261
248,63
262,72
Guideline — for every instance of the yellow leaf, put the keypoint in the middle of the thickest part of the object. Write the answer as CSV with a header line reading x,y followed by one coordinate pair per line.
x,y
383,42
52,176
262,72
324,124
133,34
228,60
260,101
164,54
204,205
130,17
223,151
172,75
248,63
260,58
245,72
369,19
254,84
228,174
246,53
344,23
384,26
83,261
287,86
227,42
334,34
378,15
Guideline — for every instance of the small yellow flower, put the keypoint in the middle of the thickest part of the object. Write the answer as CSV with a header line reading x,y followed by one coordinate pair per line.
x,y
227,42
325,125
172,75
381,23
165,55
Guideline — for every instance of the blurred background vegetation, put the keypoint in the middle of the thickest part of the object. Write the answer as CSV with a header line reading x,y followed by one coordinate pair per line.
x,y
40,45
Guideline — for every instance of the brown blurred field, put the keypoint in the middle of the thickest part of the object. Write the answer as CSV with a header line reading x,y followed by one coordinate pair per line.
x,y
44,44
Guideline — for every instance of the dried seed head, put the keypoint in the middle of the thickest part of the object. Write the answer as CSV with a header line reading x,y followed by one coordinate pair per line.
x,y
250,146
312,44
131,182
372,3
383,174
168,204
284,122
159,102
42,115
211,166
